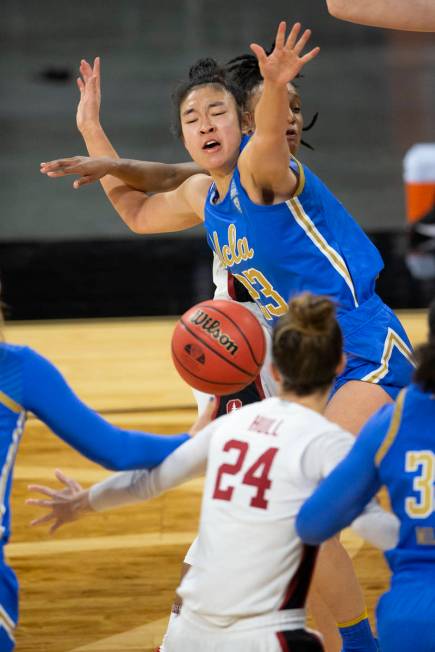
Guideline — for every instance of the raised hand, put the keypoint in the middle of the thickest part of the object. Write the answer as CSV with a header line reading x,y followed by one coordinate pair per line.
x,y
88,169
64,505
285,61
89,85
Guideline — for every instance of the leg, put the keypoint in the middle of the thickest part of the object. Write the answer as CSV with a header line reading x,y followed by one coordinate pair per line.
x,y
336,596
364,398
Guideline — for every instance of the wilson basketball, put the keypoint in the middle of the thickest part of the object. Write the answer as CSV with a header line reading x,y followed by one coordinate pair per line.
x,y
218,347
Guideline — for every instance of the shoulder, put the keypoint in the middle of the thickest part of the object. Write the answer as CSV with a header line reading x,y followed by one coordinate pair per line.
x,y
195,190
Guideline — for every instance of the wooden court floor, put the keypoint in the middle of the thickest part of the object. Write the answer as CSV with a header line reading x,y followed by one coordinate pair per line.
x,y
106,582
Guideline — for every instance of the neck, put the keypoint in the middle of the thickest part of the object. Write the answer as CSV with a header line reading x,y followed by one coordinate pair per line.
x,y
222,182
316,401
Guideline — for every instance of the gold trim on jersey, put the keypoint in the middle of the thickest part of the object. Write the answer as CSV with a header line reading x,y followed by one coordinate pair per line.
x,y
392,340
10,403
392,430
7,623
317,238
301,178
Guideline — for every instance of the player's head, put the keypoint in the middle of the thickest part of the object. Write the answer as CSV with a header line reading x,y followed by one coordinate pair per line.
x,y
307,345
245,72
424,374
208,107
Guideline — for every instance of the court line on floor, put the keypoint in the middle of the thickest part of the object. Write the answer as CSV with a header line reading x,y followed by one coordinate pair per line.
x,y
89,544
139,639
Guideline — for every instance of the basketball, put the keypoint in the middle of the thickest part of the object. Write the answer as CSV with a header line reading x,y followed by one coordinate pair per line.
x,y
218,347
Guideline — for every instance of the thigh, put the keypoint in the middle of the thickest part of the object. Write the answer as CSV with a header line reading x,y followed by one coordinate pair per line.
x,y
364,398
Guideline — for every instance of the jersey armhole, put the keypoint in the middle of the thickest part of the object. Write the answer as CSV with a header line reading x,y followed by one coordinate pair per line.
x,y
300,173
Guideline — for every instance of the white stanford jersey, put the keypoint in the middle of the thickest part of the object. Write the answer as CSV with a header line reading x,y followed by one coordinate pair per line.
x,y
264,461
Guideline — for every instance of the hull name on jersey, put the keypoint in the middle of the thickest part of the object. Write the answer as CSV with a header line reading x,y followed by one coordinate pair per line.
x,y
265,426
212,327
235,251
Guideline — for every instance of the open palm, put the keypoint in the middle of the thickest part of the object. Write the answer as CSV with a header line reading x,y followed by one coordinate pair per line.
x,y
286,60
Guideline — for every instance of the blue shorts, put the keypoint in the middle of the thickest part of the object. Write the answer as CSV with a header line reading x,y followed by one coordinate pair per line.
x,y
406,614
8,607
377,347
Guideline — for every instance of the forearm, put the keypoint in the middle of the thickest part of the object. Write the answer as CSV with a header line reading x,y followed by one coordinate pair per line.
x,y
418,15
271,116
126,488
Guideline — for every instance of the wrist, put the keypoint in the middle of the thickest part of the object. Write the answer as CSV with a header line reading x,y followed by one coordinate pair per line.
x,y
89,129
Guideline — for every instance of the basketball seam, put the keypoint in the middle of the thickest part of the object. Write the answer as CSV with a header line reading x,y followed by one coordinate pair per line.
x,y
230,362
207,380
240,330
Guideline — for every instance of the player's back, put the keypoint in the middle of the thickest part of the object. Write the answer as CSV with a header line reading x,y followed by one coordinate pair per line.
x,y
250,560
408,471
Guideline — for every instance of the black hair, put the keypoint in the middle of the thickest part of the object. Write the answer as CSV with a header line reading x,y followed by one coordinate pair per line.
x,y
307,345
245,72
424,374
205,71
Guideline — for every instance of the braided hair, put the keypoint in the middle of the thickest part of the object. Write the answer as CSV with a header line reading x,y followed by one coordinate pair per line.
x,y
245,72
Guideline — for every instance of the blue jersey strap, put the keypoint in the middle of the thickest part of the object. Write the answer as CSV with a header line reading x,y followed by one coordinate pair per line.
x,y
48,396
342,496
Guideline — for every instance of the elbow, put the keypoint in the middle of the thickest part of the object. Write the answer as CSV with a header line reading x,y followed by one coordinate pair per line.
x,y
336,9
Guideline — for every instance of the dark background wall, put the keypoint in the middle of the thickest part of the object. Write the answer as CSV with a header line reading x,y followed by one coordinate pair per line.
x,y
374,90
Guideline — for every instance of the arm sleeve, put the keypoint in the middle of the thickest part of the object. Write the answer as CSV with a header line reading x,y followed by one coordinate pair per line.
x,y
186,462
342,496
378,527
48,396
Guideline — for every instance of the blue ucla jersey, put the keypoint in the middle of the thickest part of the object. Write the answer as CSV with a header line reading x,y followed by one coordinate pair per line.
x,y
396,448
311,243
406,466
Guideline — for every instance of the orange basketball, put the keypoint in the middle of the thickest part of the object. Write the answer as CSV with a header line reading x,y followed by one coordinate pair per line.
x,y
218,347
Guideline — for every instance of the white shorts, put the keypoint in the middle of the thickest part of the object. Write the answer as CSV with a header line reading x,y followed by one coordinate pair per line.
x,y
269,633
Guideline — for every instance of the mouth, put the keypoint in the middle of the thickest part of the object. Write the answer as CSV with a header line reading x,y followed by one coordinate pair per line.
x,y
211,145
291,134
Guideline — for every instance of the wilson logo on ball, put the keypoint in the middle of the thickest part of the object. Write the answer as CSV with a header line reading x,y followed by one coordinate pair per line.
x,y
213,328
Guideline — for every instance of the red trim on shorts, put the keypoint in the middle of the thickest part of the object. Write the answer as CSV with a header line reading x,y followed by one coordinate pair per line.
x,y
296,593
282,642
259,386
230,286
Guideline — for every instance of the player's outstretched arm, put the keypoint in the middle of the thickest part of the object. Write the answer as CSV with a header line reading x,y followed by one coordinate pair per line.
x,y
415,15
49,397
72,501
148,176
264,163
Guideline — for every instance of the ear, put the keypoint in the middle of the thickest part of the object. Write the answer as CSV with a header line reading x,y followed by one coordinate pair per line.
x,y
341,365
248,124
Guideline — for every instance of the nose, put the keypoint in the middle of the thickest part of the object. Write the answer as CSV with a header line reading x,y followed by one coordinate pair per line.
x,y
206,127
291,116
